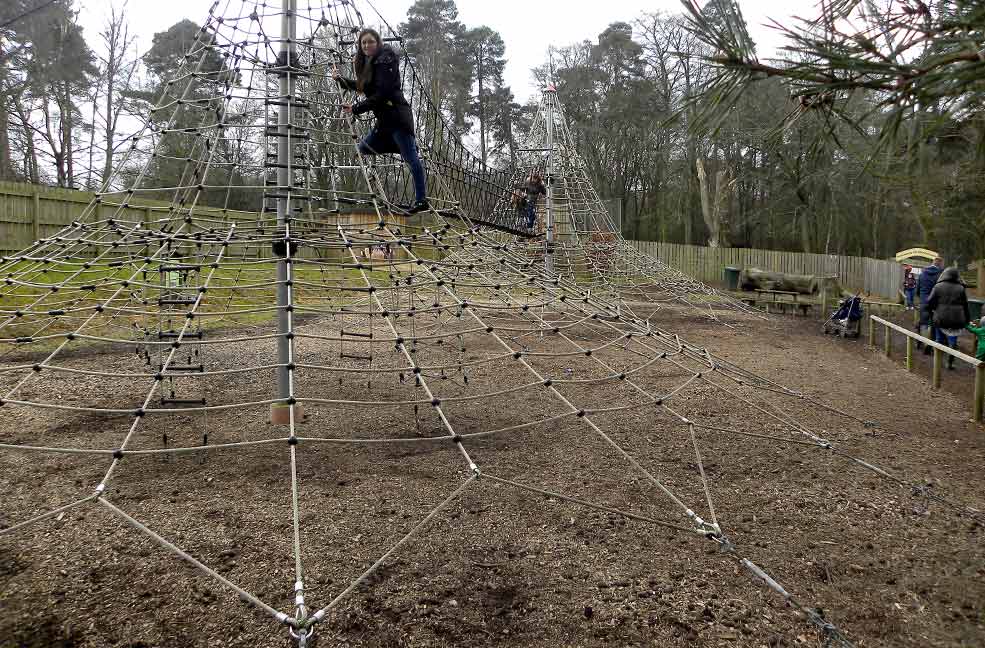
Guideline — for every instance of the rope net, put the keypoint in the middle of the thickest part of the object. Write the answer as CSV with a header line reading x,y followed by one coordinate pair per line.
x,y
585,245
441,334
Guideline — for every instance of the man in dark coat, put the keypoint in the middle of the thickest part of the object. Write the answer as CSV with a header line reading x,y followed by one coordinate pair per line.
x,y
925,284
948,304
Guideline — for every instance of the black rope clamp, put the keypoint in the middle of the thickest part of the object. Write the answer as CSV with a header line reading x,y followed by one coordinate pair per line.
x,y
280,248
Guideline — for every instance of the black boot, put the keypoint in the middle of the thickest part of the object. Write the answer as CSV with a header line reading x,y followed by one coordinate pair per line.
x,y
419,206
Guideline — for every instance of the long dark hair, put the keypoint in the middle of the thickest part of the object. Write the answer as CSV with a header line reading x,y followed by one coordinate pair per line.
x,y
361,65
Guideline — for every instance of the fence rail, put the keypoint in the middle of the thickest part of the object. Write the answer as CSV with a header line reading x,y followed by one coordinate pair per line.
x,y
978,400
872,276
30,212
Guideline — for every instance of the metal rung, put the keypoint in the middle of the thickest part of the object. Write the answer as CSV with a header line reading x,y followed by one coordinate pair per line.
x,y
200,368
178,266
352,201
293,71
354,356
362,335
182,401
171,335
297,103
267,196
289,133
296,167
175,302
266,210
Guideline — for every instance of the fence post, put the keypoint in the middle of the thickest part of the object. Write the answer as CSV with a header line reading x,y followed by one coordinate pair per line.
x,y
36,214
938,357
872,332
909,353
887,342
979,392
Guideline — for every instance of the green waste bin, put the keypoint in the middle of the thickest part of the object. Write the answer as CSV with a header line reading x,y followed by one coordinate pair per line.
x,y
975,308
732,277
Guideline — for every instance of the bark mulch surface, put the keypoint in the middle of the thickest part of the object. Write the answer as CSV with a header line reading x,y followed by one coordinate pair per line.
x,y
889,564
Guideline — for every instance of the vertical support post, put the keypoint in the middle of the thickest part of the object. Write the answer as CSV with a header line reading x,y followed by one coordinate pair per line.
x,y
909,353
280,412
980,289
36,214
979,392
549,225
887,341
872,332
938,361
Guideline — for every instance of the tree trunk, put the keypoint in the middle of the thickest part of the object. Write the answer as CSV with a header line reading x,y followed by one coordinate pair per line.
x,y
6,164
31,170
67,126
482,108
713,206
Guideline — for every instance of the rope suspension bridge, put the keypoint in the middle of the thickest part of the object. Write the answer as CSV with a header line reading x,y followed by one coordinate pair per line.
x,y
332,304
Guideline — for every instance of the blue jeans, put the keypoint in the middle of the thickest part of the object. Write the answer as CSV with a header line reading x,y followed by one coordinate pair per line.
x,y
402,142
909,292
531,215
949,340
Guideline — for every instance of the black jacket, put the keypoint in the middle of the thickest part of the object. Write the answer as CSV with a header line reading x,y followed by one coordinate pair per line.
x,y
383,94
535,189
925,282
949,301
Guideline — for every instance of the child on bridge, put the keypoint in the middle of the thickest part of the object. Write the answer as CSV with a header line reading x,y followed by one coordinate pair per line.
x,y
535,188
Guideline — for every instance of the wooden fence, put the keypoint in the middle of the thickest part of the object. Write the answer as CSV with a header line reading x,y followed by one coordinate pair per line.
x,y
873,276
29,212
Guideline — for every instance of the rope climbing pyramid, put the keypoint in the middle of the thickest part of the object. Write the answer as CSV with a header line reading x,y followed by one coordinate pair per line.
x,y
358,382
580,240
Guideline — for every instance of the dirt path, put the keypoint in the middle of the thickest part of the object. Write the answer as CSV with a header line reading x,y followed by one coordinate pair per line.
x,y
890,566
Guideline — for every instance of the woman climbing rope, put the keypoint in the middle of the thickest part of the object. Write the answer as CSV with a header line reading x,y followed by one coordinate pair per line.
x,y
377,70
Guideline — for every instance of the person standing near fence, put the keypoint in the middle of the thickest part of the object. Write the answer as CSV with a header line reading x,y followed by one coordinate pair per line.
x,y
909,285
979,333
948,303
925,285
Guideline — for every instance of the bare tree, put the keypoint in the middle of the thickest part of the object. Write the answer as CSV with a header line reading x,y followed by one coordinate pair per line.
x,y
117,72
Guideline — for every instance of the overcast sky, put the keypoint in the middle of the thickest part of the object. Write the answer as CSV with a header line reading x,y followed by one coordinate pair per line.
x,y
527,26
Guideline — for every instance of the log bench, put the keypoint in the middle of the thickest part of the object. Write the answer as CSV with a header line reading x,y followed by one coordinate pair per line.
x,y
780,299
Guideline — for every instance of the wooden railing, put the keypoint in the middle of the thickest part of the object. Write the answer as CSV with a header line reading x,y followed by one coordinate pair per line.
x,y
939,351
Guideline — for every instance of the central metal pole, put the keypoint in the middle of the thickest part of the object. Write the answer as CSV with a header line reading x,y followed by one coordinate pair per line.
x,y
285,184
549,225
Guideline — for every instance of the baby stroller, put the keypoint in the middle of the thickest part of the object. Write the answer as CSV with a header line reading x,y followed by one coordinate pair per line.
x,y
846,321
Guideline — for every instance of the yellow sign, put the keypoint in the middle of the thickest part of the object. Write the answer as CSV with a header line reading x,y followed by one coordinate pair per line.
x,y
916,253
